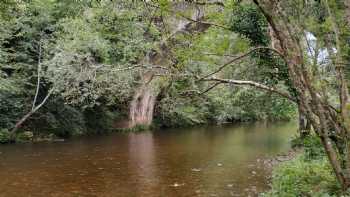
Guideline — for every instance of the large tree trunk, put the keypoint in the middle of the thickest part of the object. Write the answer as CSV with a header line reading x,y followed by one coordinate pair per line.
x,y
347,11
141,108
142,105
304,125
144,100
323,118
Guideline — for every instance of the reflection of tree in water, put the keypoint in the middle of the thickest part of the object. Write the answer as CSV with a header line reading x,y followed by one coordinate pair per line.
x,y
142,164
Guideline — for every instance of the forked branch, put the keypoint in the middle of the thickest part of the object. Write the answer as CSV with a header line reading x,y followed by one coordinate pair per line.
x,y
239,58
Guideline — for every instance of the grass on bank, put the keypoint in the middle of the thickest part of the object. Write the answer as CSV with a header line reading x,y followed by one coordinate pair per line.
x,y
307,175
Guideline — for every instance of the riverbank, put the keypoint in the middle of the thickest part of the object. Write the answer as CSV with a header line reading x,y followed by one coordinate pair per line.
x,y
107,126
303,171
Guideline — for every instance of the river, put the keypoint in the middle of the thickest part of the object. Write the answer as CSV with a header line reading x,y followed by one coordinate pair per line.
x,y
206,161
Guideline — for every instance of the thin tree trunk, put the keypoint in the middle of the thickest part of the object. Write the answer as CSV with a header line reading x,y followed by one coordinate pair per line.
x,y
38,78
343,92
29,114
343,88
304,125
347,11
34,107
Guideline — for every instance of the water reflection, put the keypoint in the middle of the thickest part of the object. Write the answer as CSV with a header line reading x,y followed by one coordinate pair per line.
x,y
210,161
142,165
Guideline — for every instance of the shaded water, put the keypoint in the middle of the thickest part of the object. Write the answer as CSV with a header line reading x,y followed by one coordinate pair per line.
x,y
211,161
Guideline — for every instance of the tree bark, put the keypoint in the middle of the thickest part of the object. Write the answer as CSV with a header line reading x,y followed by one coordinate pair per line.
x,y
343,87
323,118
347,11
304,125
142,106
28,115
252,84
34,107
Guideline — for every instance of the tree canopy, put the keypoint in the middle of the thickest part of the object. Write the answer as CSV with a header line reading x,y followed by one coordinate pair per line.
x,y
67,66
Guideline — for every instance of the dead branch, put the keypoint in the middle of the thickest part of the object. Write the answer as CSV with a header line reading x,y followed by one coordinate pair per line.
x,y
252,84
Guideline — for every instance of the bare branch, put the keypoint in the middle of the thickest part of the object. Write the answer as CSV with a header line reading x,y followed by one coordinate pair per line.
x,y
252,84
44,100
220,55
150,67
210,2
203,22
38,77
29,114
239,58
211,87
192,92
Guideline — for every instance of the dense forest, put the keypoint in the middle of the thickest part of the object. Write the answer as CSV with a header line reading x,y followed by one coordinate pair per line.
x,y
74,67
93,66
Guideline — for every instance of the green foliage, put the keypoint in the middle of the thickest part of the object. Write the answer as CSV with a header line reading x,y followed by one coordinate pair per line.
x,y
304,178
187,115
58,119
100,119
247,20
100,42
23,26
249,105
26,136
221,105
311,145
181,112
5,136
224,103
85,44
11,107
65,121
309,174
91,36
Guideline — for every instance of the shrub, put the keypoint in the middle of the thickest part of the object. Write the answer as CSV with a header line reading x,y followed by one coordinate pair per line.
x,y
309,174
11,107
25,136
5,136
312,147
100,119
300,177
59,119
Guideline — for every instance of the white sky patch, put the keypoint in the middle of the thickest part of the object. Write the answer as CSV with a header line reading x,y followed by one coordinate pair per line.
x,y
322,56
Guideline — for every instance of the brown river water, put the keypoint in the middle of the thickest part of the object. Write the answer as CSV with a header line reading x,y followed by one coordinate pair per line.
x,y
205,161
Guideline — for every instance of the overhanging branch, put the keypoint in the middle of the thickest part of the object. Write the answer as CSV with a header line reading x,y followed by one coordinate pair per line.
x,y
209,2
239,58
252,84
204,22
